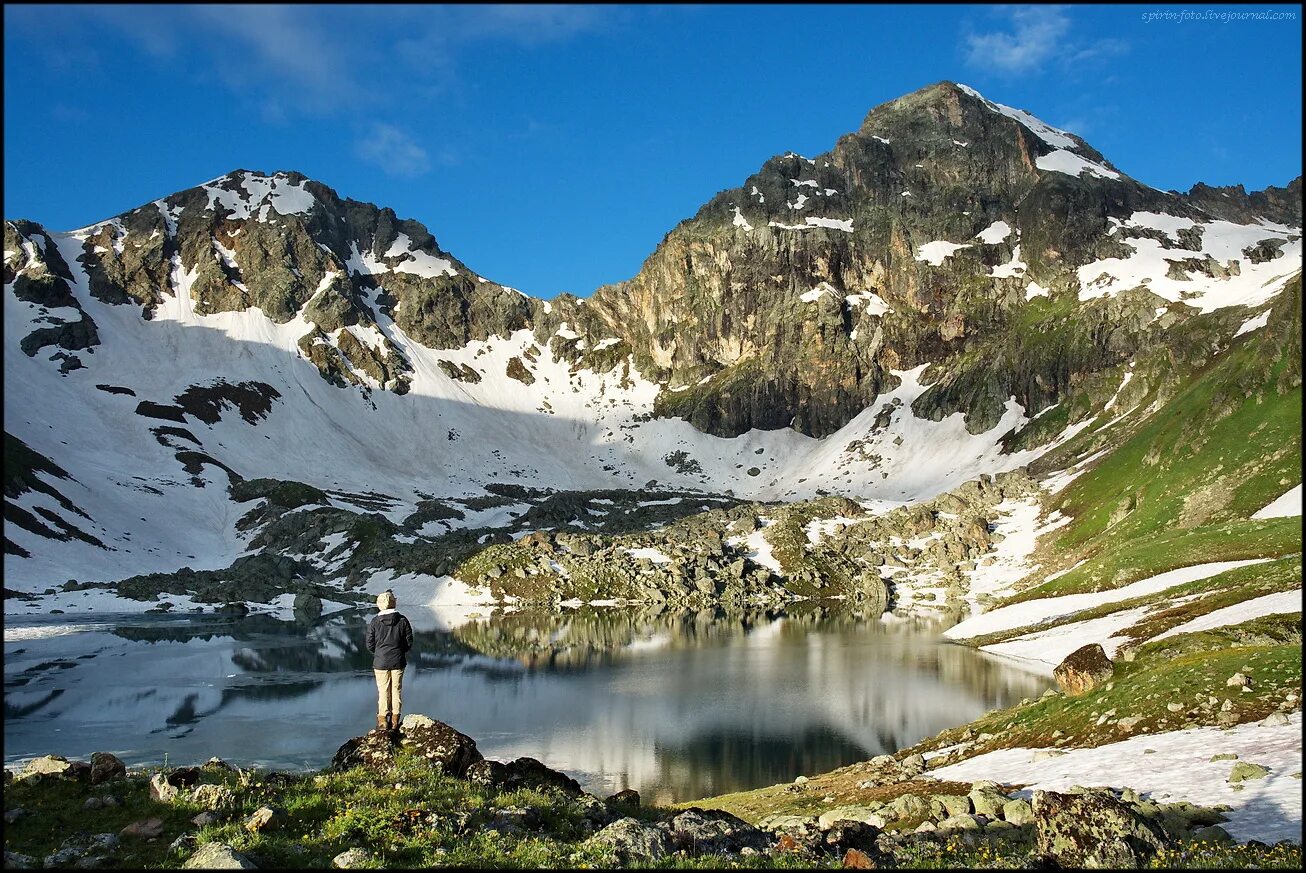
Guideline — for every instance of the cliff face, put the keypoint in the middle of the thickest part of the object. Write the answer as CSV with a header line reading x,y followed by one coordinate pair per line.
x,y
922,237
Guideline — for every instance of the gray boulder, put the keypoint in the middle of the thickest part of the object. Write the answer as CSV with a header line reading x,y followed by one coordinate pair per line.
x,y
218,856
1093,830
634,842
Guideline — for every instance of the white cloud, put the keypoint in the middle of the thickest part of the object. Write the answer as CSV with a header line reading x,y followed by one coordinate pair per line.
x,y
393,151
1033,37
1036,34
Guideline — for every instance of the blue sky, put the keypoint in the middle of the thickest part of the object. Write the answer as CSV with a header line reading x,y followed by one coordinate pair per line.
x,y
551,148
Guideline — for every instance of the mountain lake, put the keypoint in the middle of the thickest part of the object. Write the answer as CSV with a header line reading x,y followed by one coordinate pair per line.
x,y
676,705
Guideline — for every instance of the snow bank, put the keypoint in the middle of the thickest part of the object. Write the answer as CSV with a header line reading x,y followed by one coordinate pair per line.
x,y
1283,506
1180,768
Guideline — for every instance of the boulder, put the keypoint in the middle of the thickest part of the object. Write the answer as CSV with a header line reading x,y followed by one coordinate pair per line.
x,y
987,801
374,750
1083,670
161,790
16,861
1275,719
1018,812
908,806
106,767
855,859
713,831
863,814
54,765
521,773
206,818
634,842
625,797
213,796
1213,834
218,856
963,822
441,745
1244,770
83,851
947,805
1093,830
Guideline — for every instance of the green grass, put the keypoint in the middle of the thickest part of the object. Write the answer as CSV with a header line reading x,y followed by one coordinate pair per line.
x,y
1214,592
1131,560
1185,669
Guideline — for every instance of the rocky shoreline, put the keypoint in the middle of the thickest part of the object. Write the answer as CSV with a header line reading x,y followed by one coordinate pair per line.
x,y
430,798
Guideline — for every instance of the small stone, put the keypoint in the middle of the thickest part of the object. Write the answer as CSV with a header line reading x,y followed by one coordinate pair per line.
x,y
16,861
1212,834
800,780
183,843
351,858
93,803
145,829
1275,719
265,818
206,818
1225,756
856,859
1044,754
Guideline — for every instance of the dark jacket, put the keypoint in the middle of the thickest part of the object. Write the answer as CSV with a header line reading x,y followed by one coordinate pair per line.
x,y
389,637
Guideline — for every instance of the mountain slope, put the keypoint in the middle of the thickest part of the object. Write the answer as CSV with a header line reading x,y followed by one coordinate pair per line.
x,y
954,289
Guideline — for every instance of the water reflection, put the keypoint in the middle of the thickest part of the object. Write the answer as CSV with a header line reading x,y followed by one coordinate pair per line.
x,y
677,705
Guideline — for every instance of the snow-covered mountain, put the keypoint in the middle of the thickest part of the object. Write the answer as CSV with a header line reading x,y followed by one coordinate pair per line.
x,y
956,288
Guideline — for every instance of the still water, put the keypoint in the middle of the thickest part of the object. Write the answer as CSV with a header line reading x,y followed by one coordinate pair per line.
x,y
677,706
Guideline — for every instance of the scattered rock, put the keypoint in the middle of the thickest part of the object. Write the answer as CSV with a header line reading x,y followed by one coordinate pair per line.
x,y
1275,719
1244,770
161,790
1017,812
626,797
962,822
863,814
213,796
1083,670
1213,834
16,861
206,818
1226,756
265,818
987,801
106,767
144,829
1045,754
634,842
351,858
855,859
56,766
218,856
1239,680
186,843
523,772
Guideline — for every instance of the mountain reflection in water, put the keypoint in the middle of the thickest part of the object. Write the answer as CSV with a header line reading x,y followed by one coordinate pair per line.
x,y
675,704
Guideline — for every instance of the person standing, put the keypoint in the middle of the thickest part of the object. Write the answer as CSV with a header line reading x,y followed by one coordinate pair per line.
x,y
389,637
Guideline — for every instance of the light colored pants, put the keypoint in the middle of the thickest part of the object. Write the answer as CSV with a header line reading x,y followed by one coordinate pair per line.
x,y
389,685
